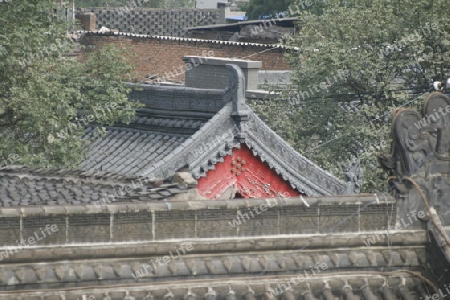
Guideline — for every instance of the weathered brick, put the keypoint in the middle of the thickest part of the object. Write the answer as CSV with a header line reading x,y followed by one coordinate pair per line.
x,y
152,56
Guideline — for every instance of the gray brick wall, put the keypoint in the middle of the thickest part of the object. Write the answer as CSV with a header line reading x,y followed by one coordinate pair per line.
x,y
170,22
211,72
207,77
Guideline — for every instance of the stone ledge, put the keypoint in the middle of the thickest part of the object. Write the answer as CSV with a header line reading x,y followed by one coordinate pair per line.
x,y
219,61
308,243
360,199
242,287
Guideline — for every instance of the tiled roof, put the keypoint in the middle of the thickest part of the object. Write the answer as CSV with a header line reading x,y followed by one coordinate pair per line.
x,y
193,129
127,150
288,163
20,185
156,132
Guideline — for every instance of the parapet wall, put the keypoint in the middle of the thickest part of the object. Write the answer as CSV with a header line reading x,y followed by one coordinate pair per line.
x,y
205,68
170,22
146,250
158,221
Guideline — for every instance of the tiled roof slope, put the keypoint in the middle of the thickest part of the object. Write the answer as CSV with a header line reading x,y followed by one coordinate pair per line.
x,y
21,185
170,116
193,129
128,150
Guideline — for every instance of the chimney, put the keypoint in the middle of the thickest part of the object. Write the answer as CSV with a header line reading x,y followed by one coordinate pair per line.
x,y
224,11
88,20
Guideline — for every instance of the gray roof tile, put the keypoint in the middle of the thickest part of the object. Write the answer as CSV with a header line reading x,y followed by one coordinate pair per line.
x,y
151,136
20,185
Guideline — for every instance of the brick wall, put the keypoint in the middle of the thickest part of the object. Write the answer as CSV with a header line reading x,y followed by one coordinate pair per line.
x,y
164,57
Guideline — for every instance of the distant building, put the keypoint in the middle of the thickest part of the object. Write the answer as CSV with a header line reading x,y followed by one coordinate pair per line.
x,y
206,3
162,55
256,31
214,3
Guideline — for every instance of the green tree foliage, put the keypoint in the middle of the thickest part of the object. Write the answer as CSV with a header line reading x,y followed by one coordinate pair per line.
x,y
255,9
358,61
179,4
46,97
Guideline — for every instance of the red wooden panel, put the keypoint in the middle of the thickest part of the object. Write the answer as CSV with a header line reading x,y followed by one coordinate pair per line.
x,y
247,174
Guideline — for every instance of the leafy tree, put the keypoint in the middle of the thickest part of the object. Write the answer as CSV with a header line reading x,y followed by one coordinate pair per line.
x,y
256,9
46,97
387,52
179,4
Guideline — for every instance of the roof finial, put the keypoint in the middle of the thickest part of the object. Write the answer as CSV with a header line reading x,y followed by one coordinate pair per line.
x,y
236,90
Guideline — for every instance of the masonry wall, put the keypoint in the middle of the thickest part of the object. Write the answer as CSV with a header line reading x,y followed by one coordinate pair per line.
x,y
164,57
123,222
171,22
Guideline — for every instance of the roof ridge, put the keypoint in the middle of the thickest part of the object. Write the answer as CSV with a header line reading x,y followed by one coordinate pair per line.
x,y
183,39
63,173
213,123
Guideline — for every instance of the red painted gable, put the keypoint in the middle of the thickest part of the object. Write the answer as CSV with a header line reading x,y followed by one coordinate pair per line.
x,y
247,174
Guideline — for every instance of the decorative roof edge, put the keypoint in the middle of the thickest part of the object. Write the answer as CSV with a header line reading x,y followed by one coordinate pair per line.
x,y
255,287
199,160
182,98
287,158
123,207
235,124
226,124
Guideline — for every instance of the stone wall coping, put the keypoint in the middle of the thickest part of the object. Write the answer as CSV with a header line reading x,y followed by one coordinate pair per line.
x,y
179,89
221,61
126,207
304,243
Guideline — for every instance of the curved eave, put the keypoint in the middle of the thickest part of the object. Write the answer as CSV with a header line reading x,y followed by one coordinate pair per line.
x,y
301,173
189,152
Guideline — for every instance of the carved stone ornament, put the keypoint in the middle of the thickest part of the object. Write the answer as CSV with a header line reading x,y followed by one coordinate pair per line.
x,y
419,163
354,177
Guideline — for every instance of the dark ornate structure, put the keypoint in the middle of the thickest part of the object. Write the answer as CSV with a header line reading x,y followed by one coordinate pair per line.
x,y
420,169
